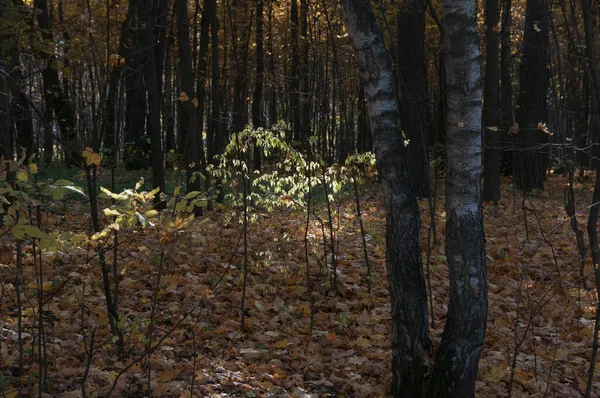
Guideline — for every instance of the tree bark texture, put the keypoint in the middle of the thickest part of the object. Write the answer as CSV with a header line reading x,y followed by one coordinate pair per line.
x,y
455,369
403,252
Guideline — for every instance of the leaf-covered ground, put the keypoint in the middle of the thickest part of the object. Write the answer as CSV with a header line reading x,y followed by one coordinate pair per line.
x,y
197,344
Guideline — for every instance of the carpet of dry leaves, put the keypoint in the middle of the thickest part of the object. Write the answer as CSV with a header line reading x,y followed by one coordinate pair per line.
x,y
203,353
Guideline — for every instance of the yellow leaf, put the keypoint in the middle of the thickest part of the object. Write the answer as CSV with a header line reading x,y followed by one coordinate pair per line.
x,y
33,169
183,97
305,308
151,213
362,343
22,176
166,375
195,103
267,385
460,124
495,374
91,158
114,60
11,394
111,213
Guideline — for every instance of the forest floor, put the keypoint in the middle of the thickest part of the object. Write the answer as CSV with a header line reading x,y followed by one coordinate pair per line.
x,y
199,350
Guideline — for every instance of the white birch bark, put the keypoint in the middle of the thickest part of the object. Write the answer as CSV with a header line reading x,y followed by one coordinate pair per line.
x,y
455,369
403,252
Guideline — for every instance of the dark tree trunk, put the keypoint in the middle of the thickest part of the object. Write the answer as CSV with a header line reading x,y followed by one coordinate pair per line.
x,y
135,150
272,78
257,101
187,113
533,86
506,93
240,53
202,73
215,140
54,95
506,89
403,252
491,116
147,26
295,73
168,100
304,82
592,226
21,113
412,75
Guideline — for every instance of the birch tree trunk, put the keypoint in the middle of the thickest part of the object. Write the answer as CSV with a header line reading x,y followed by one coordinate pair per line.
x,y
455,369
403,252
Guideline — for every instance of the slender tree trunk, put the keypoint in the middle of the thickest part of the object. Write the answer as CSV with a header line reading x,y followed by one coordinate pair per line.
x,y
412,75
455,369
272,78
215,139
202,74
187,119
491,116
240,44
506,93
590,41
295,73
257,101
506,89
54,95
134,155
20,110
533,106
403,250
304,74
147,25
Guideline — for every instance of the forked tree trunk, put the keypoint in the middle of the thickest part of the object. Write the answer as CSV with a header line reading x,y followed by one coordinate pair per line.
x,y
403,252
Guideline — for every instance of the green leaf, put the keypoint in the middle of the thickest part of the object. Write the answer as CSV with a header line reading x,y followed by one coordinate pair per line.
x,y
180,206
192,195
20,230
58,194
151,213
48,244
62,183
22,176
